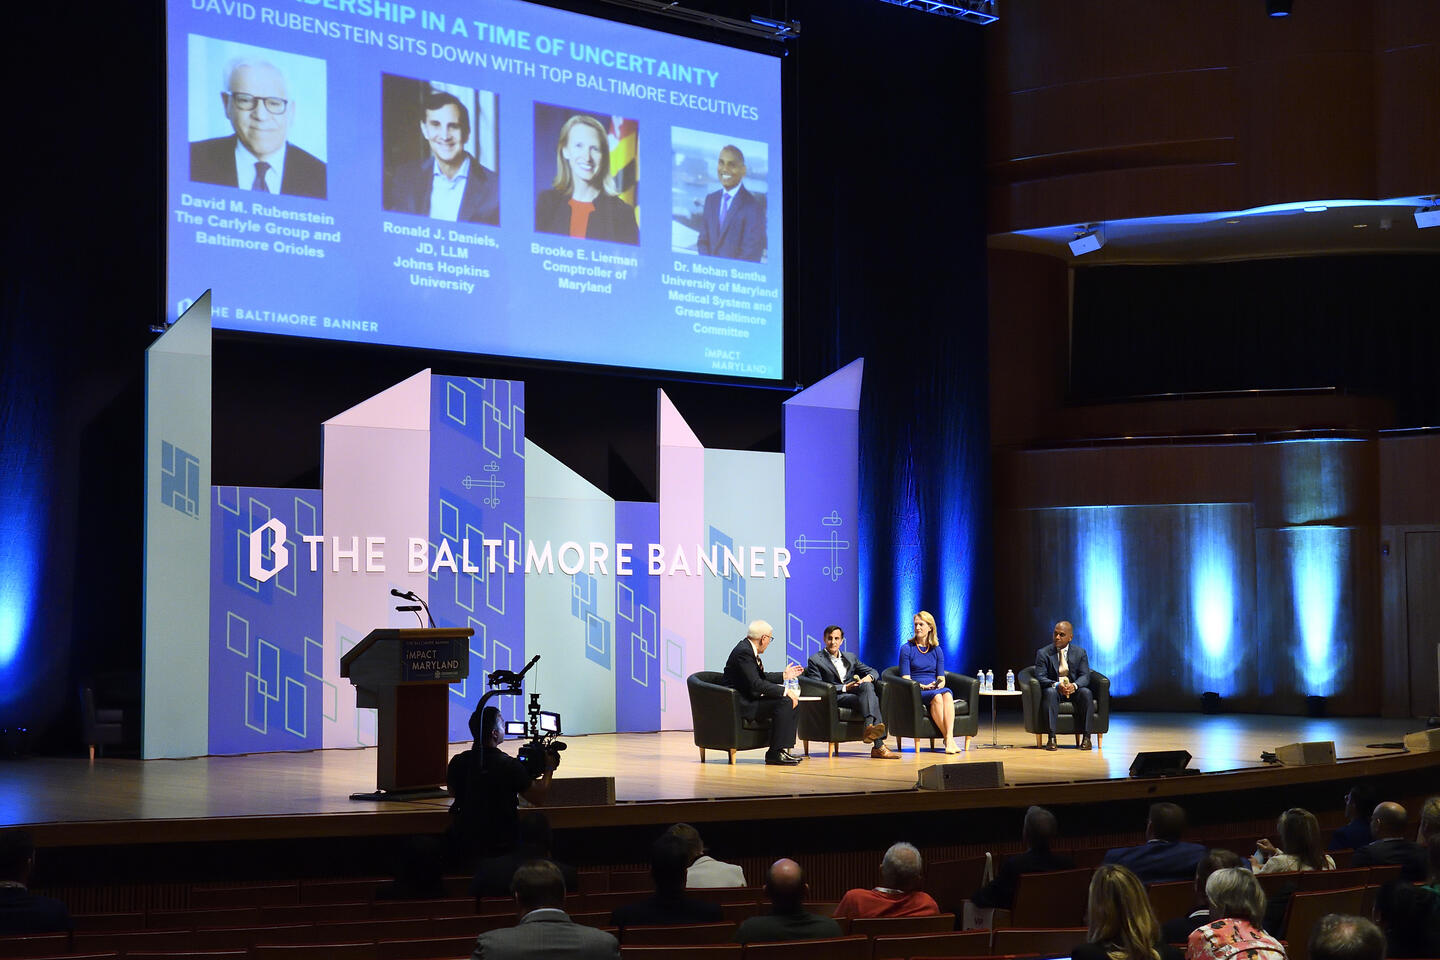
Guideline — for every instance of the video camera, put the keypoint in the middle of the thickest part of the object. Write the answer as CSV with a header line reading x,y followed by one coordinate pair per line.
x,y
543,729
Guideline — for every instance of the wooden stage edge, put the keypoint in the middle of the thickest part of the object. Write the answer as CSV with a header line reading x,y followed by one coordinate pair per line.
x,y
69,803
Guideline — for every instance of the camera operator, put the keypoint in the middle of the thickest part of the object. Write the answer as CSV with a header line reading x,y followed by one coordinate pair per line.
x,y
487,783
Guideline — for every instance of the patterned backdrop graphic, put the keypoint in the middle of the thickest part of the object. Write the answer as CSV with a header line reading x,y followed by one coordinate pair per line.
x,y
266,675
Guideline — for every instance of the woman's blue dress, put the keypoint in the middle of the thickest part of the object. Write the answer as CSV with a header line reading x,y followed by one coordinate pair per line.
x,y
922,667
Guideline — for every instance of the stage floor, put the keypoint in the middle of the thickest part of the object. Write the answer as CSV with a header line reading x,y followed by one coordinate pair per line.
x,y
660,769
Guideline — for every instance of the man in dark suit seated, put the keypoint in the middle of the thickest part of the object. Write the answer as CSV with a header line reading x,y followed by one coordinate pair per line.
x,y
545,929
450,184
787,919
1063,671
764,694
1163,855
258,157
669,856
1178,929
1387,826
1039,831
854,684
1359,804
20,910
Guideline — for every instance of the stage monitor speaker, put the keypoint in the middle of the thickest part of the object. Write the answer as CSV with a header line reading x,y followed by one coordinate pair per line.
x,y
962,776
1161,763
1423,741
581,792
1306,754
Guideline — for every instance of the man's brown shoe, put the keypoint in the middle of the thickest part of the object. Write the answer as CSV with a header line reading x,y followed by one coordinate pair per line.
x,y
882,752
873,732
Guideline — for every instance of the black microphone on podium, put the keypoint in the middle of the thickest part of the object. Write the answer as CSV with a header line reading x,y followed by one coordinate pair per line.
x,y
412,595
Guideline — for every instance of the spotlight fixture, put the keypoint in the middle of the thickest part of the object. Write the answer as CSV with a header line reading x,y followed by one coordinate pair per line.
x,y
1277,8
1429,215
1088,239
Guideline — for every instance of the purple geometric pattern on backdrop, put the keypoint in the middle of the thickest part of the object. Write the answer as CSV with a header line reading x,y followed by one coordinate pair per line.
x,y
637,623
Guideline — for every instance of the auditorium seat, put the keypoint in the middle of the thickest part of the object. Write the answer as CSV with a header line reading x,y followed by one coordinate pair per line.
x,y
907,718
1312,880
315,912
425,949
1306,908
316,951
234,938
202,917
970,943
349,931
1171,900
36,945
188,955
894,926
247,895
341,891
723,895
1051,941
836,948
677,934
599,918
593,881
623,881
743,910
716,951
1055,898
449,907
108,921
126,941
715,717
1032,707
952,882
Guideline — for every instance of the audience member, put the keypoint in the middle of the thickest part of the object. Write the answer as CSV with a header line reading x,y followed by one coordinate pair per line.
x,y
1237,905
787,919
20,910
1039,832
1178,930
1387,826
705,870
1359,801
1339,937
545,929
1429,820
493,874
1163,855
1299,848
899,894
1122,924
1410,917
669,856
1432,850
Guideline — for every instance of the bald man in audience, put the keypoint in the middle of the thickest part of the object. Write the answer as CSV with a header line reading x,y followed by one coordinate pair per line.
x,y
787,919
1340,937
899,895
1388,826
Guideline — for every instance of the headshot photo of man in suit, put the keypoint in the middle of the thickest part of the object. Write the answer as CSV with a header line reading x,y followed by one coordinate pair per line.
x,y
733,222
1063,670
450,183
258,155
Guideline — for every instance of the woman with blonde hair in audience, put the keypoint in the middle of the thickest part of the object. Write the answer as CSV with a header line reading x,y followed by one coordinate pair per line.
x,y
922,661
1300,847
1238,905
1122,924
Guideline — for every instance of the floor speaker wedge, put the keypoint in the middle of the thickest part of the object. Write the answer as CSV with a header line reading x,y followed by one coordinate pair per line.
x,y
1306,754
962,776
1161,763
1422,741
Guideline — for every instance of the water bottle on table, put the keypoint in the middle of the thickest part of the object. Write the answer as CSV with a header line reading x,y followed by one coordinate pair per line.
x,y
1009,679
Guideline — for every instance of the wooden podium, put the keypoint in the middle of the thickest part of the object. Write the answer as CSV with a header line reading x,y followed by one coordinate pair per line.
x,y
406,675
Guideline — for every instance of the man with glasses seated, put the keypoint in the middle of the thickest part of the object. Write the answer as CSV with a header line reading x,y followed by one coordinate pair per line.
x,y
258,157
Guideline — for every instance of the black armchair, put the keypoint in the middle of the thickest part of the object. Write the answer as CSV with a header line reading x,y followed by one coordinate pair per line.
x,y
1032,706
824,721
906,716
99,726
715,715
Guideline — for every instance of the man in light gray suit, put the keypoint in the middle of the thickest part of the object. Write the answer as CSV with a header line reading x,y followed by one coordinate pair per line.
x,y
545,929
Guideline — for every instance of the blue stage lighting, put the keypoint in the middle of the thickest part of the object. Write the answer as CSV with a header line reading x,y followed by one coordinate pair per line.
x,y
907,559
20,557
956,573
1101,560
1212,599
1318,558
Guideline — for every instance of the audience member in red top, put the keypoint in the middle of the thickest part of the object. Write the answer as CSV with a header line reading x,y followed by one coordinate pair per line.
x,y
899,893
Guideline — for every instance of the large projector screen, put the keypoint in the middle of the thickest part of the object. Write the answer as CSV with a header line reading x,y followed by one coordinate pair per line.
x,y
497,178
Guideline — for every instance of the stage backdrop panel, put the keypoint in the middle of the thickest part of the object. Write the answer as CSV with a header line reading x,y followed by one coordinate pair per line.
x,y
569,617
177,537
744,508
376,478
822,502
682,595
267,676
477,492
637,624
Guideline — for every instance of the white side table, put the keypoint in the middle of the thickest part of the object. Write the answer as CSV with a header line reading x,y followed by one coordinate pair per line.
x,y
995,743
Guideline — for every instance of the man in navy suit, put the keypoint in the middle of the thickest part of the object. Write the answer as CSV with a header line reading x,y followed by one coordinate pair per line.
x,y
764,694
1063,670
20,910
1387,824
450,184
258,157
1163,855
733,222
854,684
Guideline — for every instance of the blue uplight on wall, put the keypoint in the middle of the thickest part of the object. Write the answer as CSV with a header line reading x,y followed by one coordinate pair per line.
x,y
907,556
1212,599
21,555
956,573
1101,560
1318,557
